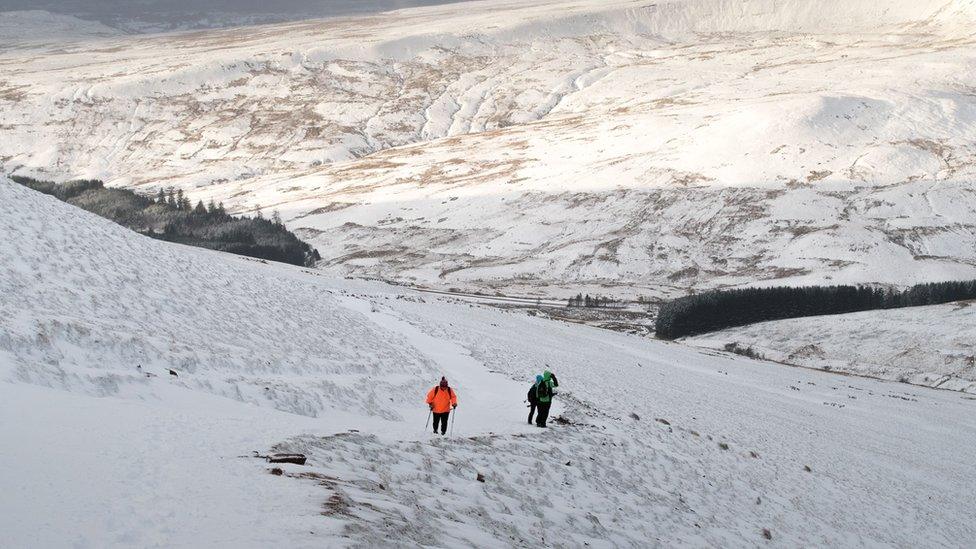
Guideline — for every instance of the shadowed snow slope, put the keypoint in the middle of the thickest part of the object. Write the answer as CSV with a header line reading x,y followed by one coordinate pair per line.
x,y
657,444
674,145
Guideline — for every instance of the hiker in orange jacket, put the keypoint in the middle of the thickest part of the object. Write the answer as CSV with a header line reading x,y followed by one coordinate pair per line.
x,y
441,399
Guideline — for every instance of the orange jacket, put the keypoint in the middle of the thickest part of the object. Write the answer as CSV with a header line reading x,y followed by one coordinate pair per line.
x,y
442,399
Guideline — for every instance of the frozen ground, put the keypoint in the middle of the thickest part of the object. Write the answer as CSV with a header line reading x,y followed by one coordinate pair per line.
x,y
102,447
931,346
546,147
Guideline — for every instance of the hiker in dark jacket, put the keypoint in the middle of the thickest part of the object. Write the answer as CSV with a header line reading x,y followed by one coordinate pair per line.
x,y
544,393
532,398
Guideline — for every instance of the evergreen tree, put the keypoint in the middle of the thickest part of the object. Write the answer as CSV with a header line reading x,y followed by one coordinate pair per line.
x,y
211,207
200,209
161,197
276,218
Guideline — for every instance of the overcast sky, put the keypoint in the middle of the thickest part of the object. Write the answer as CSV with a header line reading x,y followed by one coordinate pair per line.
x,y
196,13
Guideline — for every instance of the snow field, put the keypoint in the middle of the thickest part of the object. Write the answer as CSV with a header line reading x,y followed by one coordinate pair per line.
x,y
871,447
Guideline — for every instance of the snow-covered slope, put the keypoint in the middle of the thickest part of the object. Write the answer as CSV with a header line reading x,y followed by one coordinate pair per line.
x,y
90,307
134,374
931,346
98,454
674,145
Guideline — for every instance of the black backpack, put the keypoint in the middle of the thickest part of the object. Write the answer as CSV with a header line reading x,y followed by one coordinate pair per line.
x,y
532,396
543,390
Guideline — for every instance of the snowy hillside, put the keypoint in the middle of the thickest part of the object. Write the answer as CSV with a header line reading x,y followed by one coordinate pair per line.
x,y
91,307
931,346
109,446
547,146
658,445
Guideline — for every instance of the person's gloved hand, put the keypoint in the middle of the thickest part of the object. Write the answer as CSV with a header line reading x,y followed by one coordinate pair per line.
x,y
455,406
431,407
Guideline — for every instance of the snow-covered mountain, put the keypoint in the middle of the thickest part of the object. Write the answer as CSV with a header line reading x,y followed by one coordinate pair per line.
x,y
659,444
547,146
530,146
573,145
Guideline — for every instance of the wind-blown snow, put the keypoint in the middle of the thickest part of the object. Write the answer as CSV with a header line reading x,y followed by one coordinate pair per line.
x,y
670,145
98,454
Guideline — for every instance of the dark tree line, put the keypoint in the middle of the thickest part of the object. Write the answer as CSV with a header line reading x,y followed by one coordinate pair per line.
x,y
594,302
720,309
170,215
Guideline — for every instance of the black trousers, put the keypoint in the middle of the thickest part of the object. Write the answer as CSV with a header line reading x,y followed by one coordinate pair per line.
x,y
532,406
442,420
540,419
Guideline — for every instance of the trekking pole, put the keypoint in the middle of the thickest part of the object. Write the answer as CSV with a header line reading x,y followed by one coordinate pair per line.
x,y
454,415
428,419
